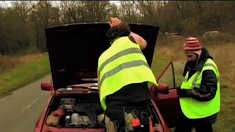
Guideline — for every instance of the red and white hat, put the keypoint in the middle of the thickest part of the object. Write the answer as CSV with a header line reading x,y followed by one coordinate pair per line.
x,y
192,45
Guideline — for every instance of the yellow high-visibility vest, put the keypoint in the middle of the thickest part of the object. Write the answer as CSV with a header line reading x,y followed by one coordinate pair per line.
x,y
194,109
122,64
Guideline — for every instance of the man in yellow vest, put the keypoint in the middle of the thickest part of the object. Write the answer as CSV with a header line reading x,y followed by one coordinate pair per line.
x,y
123,77
199,94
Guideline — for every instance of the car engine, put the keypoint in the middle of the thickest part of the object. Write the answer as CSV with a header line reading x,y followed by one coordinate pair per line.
x,y
76,113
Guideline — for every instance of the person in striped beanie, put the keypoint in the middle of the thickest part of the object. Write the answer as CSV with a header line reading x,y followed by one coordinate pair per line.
x,y
199,94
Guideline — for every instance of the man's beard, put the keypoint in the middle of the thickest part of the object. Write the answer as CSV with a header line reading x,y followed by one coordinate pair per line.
x,y
192,63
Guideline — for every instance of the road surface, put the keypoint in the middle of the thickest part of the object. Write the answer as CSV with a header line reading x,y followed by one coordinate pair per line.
x,y
20,110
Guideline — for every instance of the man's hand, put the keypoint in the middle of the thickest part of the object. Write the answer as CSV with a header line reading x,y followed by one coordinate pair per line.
x,y
114,22
181,92
185,92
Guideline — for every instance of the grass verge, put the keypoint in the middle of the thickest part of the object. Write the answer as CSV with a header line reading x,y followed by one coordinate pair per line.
x,y
26,72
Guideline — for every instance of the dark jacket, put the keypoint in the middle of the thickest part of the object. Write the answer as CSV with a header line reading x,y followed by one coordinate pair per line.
x,y
208,87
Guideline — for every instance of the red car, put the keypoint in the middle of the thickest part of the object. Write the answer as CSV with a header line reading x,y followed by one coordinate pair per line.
x,y
74,102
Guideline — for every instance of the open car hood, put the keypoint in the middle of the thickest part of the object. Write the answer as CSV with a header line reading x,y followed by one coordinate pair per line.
x,y
74,50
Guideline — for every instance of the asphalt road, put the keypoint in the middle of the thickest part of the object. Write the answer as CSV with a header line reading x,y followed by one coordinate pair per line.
x,y
20,110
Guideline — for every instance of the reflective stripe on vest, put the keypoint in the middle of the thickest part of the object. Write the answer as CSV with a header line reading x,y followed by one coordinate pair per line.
x,y
122,64
194,109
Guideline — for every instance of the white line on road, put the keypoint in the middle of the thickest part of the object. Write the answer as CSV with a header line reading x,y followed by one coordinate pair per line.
x,y
30,104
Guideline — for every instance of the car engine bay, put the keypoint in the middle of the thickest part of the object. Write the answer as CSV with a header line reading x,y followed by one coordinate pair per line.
x,y
76,112
82,111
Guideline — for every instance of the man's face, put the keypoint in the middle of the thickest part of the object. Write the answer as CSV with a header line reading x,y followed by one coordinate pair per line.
x,y
191,57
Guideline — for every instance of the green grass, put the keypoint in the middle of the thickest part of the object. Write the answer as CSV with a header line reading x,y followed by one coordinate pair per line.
x,y
226,117
160,63
24,74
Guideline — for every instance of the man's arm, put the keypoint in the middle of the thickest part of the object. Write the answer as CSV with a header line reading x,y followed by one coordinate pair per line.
x,y
208,88
139,40
98,77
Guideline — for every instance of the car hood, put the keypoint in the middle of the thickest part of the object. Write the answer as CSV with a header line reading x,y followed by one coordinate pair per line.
x,y
74,50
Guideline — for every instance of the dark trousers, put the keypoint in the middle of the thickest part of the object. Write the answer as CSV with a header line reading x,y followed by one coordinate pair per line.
x,y
117,115
186,125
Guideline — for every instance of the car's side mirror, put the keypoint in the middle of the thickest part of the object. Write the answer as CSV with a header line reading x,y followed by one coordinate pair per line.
x,y
163,89
47,86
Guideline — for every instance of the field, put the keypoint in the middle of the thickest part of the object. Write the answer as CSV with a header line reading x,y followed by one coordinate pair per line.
x,y
18,71
224,57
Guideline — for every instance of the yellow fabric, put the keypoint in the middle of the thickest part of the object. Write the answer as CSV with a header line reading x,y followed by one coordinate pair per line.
x,y
194,109
125,76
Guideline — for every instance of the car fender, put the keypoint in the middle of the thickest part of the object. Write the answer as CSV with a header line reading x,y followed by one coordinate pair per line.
x,y
39,124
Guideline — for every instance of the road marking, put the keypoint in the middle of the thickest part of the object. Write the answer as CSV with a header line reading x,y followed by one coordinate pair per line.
x,y
30,104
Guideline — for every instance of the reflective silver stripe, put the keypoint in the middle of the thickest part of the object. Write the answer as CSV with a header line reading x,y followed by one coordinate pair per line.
x,y
119,54
198,74
210,64
195,80
123,66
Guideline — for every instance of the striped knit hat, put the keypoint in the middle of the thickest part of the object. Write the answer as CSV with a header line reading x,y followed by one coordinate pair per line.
x,y
192,45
